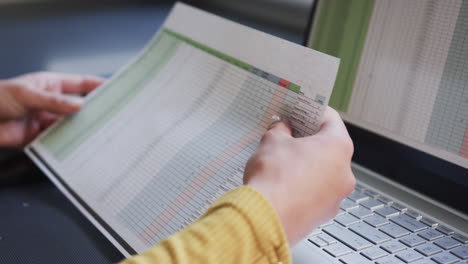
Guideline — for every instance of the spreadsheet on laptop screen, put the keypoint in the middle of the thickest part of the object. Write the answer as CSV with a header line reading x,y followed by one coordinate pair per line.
x,y
404,73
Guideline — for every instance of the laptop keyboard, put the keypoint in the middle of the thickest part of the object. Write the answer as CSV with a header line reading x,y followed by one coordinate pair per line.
x,y
372,228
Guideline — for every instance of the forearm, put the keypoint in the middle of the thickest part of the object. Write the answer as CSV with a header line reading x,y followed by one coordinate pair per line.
x,y
241,227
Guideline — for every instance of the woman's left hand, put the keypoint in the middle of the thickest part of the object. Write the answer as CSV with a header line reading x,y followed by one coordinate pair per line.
x,y
32,102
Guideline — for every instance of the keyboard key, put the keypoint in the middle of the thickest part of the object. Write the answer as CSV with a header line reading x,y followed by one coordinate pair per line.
x,y
361,212
409,255
394,230
429,222
445,230
374,253
346,219
387,212
388,260
327,238
318,242
341,212
376,220
446,243
414,214
316,232
461,238
372,204
385,200
347,204
368,232
372,193
399,207
461,252
392,246
430,234
347,237
357,197
329,222
445,258
359,187
354,258
424,261
337,250
428,249
412,240
408,223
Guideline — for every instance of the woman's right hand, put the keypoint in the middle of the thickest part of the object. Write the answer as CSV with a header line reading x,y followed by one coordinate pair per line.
x,y
305,179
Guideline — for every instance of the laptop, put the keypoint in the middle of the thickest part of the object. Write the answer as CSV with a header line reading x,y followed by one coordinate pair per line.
x,y
402,90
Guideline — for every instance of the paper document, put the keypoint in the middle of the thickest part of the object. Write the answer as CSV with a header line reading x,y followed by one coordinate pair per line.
x,y
172,131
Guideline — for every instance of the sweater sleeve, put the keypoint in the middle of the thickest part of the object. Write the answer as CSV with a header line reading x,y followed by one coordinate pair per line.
x,y
240,227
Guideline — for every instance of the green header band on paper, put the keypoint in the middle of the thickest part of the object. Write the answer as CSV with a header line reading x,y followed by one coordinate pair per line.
x,y
294,87
241,64
209,50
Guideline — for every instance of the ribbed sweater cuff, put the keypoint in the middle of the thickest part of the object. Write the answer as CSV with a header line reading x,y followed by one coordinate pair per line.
x,y
263,221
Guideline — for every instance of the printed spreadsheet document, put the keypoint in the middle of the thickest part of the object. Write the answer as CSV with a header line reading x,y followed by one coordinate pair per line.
x,y
171,132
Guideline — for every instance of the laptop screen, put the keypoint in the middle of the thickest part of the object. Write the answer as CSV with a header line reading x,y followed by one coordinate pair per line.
x,y
403,73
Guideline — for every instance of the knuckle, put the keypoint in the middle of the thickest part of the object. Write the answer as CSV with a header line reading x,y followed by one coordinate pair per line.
x,y
264,164
260,163
54,101
19,90
41,74
343,145
15,88
269,136
349,182
346,144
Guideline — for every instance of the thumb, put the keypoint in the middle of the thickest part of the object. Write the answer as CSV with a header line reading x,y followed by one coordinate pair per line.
x,y
278,129
281,127
49,101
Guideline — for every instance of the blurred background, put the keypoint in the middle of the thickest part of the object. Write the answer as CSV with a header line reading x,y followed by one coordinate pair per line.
x,y
89,37
97,37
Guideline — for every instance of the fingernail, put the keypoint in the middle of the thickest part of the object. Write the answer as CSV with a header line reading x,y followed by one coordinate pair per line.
x,y
275,118
74,101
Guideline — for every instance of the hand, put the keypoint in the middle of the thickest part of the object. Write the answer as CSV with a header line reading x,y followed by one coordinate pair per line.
x,y
305,179
30,103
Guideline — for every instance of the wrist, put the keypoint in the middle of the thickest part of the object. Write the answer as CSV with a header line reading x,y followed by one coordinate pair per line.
x,y
273,197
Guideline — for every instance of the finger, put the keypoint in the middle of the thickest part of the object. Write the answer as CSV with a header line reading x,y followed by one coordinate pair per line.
x,y
72,83
11,133
80,84
281,127
277,130
14,134
46,119
48,101
62,82
333,124
33,129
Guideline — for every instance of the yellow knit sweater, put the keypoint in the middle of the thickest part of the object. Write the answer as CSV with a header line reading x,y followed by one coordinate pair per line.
x,y
240,227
